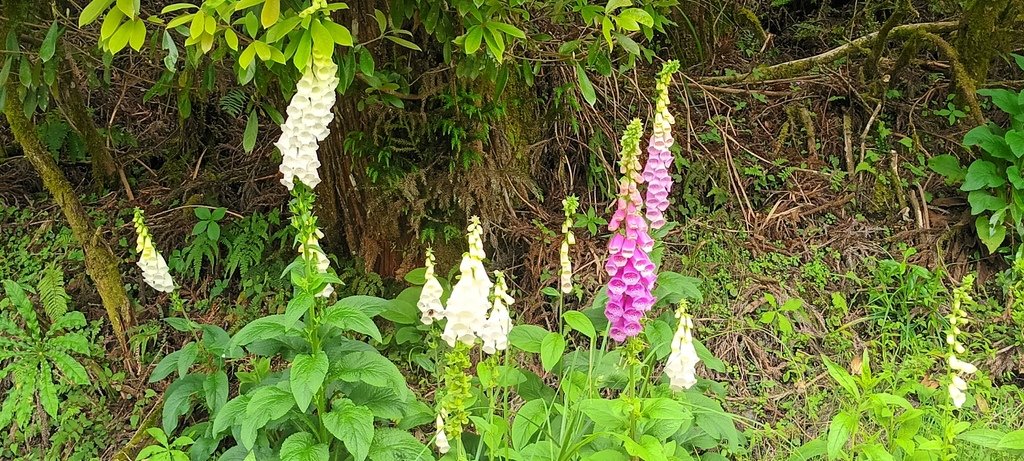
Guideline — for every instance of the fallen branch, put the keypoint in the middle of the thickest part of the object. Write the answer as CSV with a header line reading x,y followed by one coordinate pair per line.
x,y
799,66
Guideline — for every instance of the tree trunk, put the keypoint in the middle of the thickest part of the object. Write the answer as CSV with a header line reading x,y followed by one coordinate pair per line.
x,y
68,91
980,36
100,263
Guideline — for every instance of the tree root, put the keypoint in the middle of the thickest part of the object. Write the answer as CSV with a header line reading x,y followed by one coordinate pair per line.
x,y
801,66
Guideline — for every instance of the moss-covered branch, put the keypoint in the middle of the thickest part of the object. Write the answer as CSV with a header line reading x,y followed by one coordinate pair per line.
x,y
961,77
802,66
100,263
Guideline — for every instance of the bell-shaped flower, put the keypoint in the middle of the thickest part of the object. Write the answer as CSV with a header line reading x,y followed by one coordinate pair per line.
x,y
154,268
468,304
311,248
631,270
681,367
494,332
309,114
660,159
441,439
429,303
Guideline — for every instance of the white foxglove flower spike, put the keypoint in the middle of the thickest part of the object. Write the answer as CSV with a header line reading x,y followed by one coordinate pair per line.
x,y
494,333
154,268
441,439
467,305
681,367
312,246
958,368
309,114
429,303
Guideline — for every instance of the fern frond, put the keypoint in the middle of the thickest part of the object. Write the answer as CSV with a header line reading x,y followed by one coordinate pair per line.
x,y
233,103
52,294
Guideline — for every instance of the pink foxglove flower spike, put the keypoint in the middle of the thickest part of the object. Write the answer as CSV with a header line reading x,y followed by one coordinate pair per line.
x,y
659,160
631,270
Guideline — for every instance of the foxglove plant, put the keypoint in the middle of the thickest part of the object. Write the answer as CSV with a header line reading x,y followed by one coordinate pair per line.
x,y
309,114
958,368
659,160
682,362
495,330
154,268
429,302
569,205
466,312
631,269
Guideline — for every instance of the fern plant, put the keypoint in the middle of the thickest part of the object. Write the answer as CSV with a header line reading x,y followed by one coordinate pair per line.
x,y
37,362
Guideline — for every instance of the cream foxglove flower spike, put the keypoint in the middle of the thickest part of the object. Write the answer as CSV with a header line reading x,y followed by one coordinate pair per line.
x,y
467,305
681,367
309,114
154,268
430,296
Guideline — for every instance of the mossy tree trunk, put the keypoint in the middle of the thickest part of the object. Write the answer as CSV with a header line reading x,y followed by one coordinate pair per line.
x,y
68,91
982,34
100,263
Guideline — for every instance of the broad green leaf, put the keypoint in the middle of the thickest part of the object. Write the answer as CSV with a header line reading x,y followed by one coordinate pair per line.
x,y
507,29
307,375
1012,441
188,356
339,33
474,37
252,125
949,167
991,236
982,201
527,421
839,431
636,16
215,388
229,413
297,307
982,174
353,425
323,43
302,446
397,445
988,438
1015,139
265,404
128,7
178,400
165,367
346,316
551,349
49,46
368,367
810,450
270,13
527,337
841,376
262,328
579,322
138,34
93,11
586,88
673,287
